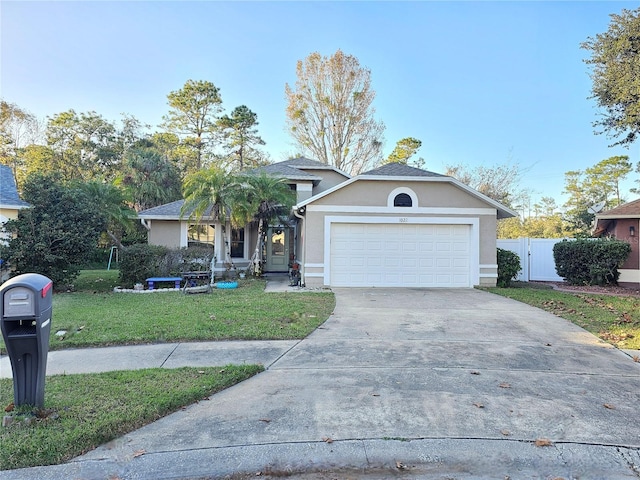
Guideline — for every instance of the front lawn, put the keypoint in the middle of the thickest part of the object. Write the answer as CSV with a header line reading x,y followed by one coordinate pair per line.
x,y
93,316
84,411
615,319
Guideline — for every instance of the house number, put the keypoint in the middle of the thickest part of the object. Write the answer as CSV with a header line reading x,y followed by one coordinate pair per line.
x,y
404,219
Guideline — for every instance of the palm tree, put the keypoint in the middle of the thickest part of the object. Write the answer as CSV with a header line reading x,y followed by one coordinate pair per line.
x,y
261,198
112,205
212,193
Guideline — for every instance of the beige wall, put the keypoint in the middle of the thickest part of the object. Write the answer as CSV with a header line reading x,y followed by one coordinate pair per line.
x,y
436,201
166,233
329,180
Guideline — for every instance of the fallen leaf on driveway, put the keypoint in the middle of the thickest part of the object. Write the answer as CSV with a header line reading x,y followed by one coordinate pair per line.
x,y
505,432
265,420
327,439
139,453
479,405
543,442
400,466
474,372
609,406
505,385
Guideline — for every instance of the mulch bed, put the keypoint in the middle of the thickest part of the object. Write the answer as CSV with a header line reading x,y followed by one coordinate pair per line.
x,y
594,289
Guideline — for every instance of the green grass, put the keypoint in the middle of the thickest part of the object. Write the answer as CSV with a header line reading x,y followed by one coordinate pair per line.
x,y
614,319
84,411
93,316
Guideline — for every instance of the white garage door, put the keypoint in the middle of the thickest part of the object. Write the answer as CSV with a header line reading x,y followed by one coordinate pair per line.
x,y
399,255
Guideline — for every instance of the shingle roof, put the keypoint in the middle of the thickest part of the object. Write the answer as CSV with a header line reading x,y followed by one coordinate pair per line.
x,y
286,171
8,191
629,210
396,169
168,211
302,162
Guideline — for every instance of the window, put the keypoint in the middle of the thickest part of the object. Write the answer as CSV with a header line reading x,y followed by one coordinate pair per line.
x,y
199,234
402,200
237,243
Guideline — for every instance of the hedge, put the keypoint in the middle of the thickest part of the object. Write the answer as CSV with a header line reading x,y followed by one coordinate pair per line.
x,y
590,261
141,261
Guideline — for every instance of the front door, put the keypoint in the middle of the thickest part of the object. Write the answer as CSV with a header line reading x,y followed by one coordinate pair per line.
x,y
277,246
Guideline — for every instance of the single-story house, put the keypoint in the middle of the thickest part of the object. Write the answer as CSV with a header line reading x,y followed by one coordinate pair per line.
x,y
10,202
394,226
623,223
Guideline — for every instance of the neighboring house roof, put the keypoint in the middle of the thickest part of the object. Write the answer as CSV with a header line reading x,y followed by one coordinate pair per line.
x,y
401,172
8,192
604,219
626,210
168,211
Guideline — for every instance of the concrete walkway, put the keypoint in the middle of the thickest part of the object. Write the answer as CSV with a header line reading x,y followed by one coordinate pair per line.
x,y
403,383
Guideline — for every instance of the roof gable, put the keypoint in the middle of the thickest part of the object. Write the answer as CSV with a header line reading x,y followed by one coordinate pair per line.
x,y
8,192
401,172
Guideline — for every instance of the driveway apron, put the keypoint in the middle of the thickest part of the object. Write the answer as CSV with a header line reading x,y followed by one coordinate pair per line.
x,y
406,364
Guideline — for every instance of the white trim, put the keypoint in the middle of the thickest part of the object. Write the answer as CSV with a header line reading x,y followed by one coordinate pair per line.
x,y
314,265
184,234
474,237
488,265
397,191
488,275
398,211
628,275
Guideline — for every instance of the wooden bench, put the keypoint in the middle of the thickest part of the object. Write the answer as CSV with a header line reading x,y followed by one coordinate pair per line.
x,y
151,282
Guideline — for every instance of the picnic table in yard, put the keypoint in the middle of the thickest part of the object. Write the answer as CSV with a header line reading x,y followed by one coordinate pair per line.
x,y
195,282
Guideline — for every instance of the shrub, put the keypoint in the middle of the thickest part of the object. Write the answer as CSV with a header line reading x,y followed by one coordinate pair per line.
x,y
590,261
141,261
508,267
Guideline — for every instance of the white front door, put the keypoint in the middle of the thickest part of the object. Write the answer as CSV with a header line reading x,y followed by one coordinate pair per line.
x,y
400,255
277,246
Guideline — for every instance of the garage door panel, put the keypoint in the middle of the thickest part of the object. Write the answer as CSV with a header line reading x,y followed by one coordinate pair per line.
x,y
416,255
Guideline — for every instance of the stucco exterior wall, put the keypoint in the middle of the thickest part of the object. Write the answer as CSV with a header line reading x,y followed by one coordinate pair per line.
x,y
167,233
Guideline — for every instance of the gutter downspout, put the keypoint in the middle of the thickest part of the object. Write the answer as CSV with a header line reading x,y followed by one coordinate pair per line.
x,y
146,224
300,215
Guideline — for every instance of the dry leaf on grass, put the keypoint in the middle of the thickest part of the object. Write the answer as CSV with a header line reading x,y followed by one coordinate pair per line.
x,y
543,442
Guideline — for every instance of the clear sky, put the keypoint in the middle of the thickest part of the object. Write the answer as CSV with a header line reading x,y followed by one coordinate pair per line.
x,y
479,83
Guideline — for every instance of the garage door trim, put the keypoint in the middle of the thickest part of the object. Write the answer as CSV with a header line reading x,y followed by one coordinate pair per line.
x,y
474,237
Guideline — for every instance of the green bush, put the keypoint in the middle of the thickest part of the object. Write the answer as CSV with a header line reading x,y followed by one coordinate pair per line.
x,y
590,261
141,261
508,267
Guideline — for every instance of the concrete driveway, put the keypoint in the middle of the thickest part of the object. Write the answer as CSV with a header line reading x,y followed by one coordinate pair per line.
x,y
425,383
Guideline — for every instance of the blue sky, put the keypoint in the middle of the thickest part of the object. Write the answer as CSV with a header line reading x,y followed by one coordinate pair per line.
x,y
479,83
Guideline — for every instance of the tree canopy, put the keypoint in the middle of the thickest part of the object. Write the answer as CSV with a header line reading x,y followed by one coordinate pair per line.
x,y
404,150
241,137
193,112
615,74
330,112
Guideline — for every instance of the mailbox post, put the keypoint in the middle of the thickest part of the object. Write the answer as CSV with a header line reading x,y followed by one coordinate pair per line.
x,y
25,321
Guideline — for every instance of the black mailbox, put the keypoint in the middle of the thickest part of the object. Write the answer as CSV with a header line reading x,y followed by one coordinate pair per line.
x,y
25,320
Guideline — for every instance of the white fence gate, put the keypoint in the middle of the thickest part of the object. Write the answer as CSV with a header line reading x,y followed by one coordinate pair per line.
x,y
536,258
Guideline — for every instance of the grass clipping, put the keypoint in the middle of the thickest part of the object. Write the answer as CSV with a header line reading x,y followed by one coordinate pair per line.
x,y
84,411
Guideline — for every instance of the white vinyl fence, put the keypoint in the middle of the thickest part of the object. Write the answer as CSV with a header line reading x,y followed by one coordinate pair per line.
x,y
536,258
